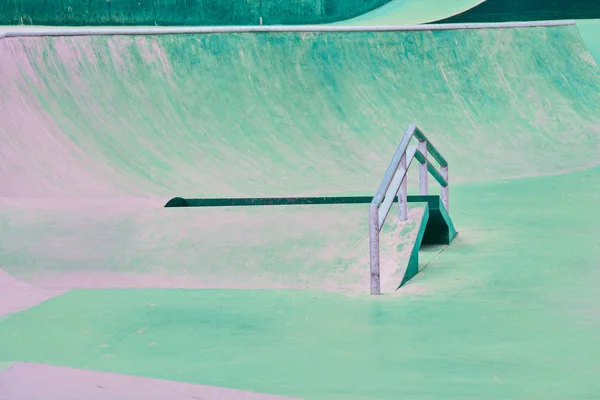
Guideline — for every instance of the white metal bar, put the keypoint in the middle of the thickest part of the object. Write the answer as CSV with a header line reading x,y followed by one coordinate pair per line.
x,y
393,167
390,196
392,191
375,276
402,193
61,31
445,192
423,181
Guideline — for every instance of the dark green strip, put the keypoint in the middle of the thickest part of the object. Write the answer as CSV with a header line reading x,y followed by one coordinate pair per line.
x,y
431,149
432,169
284,201
527,10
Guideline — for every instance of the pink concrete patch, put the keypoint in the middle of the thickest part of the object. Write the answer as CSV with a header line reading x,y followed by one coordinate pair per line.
x,y
38,159
16,296
26,381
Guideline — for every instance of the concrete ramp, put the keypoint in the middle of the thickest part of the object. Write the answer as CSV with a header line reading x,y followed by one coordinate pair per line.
x,y
288,114
97,133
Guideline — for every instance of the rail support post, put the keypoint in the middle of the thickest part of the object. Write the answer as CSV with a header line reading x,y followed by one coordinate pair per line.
x,y
402,193
374,249
423,183
445,192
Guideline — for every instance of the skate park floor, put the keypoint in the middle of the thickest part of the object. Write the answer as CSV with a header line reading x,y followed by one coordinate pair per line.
x,y
509,310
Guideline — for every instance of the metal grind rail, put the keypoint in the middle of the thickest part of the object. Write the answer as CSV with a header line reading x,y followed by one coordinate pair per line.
x,y
394,184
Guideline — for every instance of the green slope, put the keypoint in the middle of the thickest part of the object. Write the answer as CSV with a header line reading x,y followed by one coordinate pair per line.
x,y
274,114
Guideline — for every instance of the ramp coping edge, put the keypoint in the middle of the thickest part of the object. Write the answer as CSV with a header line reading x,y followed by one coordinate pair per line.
x,y
109,31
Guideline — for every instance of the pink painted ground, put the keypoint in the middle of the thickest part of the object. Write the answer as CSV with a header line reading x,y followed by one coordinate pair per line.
x,y
16,296
27,381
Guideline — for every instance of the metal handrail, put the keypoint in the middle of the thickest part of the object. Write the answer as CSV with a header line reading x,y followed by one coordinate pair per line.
x,y
394,183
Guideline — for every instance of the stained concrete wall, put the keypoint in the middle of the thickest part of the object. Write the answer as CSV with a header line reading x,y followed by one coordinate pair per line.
x,y
180,12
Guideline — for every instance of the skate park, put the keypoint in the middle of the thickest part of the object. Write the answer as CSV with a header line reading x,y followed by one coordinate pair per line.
x,y
269,142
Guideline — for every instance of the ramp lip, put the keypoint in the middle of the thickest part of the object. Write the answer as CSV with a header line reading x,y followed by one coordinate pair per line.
x,y
115,31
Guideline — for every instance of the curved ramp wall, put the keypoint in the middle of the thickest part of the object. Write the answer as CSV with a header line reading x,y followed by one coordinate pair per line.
x,y
177,13
288,114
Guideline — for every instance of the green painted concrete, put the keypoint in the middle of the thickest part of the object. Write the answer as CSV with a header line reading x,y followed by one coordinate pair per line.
x,y
173,12
509,311
412,267
411,12
528,10
276,115
590,31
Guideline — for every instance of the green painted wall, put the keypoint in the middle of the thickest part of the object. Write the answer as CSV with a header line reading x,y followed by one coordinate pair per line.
x,y
180,12
528,10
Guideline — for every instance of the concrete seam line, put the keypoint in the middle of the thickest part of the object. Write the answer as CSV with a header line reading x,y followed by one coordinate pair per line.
x,y
101,31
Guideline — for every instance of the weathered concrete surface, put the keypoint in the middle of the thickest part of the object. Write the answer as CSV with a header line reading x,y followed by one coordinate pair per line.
x,y
275,114
27,381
